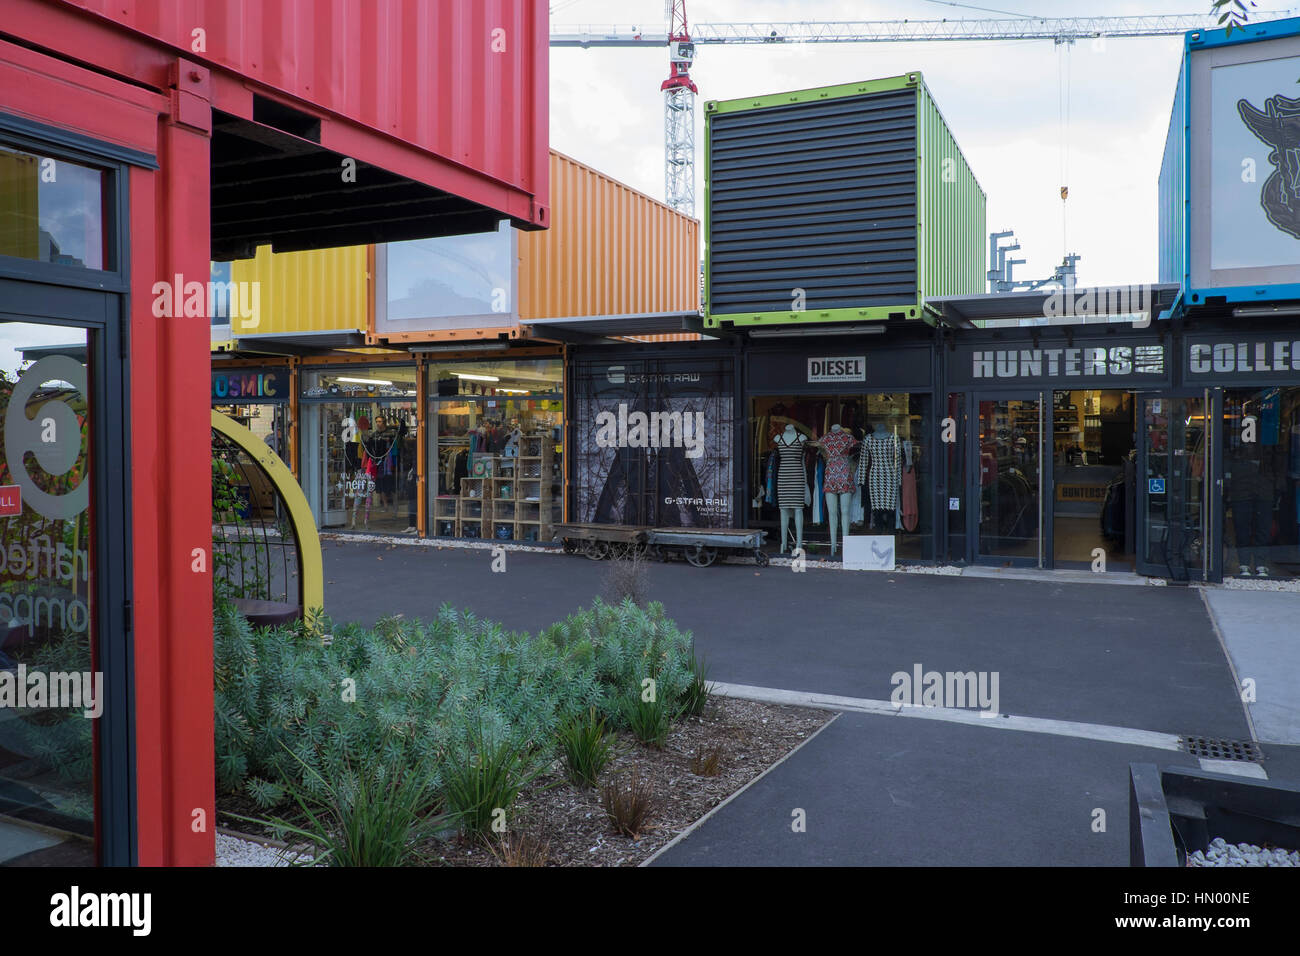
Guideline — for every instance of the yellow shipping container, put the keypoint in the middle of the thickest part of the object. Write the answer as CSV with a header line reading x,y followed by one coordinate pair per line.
x,y
323,290
610,250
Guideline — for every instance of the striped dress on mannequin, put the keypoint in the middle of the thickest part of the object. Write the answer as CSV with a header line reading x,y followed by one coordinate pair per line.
x,y
791,478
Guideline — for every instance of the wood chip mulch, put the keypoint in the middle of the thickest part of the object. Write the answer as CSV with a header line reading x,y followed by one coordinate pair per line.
x,y
566,826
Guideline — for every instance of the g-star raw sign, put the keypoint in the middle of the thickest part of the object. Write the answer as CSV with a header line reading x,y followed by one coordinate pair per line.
x,y
837,369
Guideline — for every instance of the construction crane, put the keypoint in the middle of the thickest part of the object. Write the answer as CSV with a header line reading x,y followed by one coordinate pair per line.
x,y
680,91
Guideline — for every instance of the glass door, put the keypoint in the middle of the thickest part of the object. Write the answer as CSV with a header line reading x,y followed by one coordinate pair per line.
x,y
1010,440
1177,448
51,670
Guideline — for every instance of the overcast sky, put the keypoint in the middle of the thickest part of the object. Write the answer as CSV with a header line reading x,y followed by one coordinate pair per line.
x,y
1001,98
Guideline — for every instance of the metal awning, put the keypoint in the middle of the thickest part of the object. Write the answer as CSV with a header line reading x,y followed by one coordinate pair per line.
x,y
1053,306
297,343
599,328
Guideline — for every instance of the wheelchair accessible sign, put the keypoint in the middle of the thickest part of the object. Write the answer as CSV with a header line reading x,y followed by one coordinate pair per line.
x,y
1155,486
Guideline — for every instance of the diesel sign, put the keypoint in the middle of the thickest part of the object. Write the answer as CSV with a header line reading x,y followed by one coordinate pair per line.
x,y
837,369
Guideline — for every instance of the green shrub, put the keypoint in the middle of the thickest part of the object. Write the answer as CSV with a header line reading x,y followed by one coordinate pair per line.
x,y
366,817
483,777
649,720
585,747
475,707
697,692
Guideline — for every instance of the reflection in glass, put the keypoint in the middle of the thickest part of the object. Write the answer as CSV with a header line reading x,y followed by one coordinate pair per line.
x,y
51,210
1261,483
454,280
48,682
1175,477
359,465
1009,433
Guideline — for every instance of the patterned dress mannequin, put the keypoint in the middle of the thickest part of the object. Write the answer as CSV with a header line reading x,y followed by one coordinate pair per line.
x,y
838,446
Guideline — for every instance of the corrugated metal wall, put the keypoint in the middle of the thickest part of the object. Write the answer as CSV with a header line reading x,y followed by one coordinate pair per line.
x,y
1172,190
815,196
319,291
953,218
610,251
466,79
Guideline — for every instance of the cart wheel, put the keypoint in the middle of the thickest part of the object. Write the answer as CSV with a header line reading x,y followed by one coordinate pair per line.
x,y
655,553
760,557
701,556
597,550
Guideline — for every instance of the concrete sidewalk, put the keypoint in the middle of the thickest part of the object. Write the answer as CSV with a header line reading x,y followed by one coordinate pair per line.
x,y
1261,631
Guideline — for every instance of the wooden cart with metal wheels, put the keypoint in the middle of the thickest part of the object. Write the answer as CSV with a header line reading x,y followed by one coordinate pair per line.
x,y
601,541
702,546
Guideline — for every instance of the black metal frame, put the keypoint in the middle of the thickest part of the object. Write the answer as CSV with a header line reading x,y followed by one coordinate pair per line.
x,y
97,301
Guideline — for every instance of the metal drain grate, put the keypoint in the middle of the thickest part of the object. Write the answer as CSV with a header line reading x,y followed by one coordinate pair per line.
x,y
1216,749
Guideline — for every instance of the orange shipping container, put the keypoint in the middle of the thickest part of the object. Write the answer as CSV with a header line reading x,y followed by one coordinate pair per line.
x,y
610,251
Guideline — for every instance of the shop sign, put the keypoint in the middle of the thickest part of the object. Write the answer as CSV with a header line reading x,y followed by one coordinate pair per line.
x,y
245,384
11,501
837,369
1264,359
1055,363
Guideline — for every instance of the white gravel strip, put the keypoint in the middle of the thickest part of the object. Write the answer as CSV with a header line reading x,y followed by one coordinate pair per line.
x,y
1220,853
1260,584
232,851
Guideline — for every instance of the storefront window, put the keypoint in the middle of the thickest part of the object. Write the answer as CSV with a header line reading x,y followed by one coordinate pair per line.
x,y
359,452
51,210
1261,483
447,282
885,482
496,469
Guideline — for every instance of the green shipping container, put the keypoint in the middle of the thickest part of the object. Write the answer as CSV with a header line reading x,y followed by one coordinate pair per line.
x,y
845,203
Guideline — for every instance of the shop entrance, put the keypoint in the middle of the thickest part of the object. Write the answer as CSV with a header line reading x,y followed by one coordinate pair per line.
x,y
1094,479
1056,481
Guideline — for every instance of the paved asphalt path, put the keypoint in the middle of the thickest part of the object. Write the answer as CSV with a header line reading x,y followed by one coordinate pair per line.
x,y
1146,658
893,791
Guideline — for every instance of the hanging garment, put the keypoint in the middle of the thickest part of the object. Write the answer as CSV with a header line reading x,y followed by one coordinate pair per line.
x,y
791,480
857,515
839,447
884,470
818,497
911,512
770,496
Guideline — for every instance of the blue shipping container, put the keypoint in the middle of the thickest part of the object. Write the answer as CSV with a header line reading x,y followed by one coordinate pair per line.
x,y
1230,179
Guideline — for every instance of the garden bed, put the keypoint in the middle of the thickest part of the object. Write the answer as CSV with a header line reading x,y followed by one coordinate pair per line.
x,y
571,824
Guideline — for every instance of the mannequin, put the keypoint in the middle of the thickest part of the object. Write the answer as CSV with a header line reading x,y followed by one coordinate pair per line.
x,y
838,446
792,494
879,469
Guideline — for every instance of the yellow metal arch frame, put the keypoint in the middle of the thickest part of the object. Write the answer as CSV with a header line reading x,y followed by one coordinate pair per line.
x,y
311,570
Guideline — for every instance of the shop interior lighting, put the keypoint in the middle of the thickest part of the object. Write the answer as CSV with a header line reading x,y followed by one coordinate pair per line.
x,y
364,381
476,378
514,391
